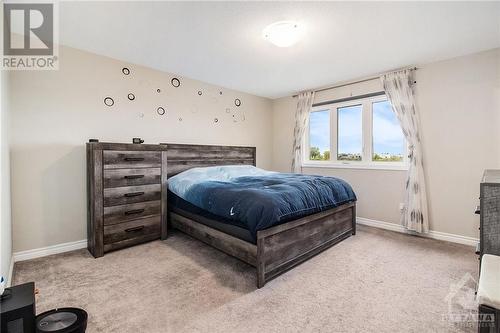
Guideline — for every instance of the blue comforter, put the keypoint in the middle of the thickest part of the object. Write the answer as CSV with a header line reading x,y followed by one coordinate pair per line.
x,y
261,201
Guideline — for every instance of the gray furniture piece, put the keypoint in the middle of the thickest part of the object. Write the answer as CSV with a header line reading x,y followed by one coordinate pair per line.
x,y
127,198
489,244
489,235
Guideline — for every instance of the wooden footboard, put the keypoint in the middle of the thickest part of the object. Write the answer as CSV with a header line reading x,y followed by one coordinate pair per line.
x,y
282,247
279,248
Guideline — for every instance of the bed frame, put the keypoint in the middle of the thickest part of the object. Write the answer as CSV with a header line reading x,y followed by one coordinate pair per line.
x,y
278,248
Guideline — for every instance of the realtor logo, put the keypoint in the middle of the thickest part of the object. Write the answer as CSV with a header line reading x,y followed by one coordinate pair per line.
x,y
29,33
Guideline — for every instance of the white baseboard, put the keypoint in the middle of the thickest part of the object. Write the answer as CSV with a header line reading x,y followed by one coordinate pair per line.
x,y
471,241
49,250
380,224
71,246
11,271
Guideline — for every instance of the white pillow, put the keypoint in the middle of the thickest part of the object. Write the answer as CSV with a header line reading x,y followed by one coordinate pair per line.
x,y
181,183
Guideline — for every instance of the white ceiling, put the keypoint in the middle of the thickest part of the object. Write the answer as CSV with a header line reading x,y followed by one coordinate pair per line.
x,y
221,42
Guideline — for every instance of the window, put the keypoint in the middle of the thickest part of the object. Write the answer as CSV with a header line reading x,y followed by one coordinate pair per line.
x,y
319,135
362,133
350,133
388,139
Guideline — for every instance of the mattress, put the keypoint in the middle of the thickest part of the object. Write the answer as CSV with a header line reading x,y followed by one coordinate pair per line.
x,y
254,199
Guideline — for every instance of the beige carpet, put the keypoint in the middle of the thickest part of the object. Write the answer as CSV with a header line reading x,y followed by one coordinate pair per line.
x,y
376,281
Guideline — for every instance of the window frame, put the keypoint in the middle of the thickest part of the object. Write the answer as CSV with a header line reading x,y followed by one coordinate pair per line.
x,y
367,139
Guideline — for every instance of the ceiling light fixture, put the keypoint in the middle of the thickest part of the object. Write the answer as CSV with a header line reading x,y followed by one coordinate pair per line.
x,y
283,33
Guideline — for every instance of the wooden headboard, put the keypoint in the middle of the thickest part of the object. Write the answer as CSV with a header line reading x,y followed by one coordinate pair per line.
x,y
181,157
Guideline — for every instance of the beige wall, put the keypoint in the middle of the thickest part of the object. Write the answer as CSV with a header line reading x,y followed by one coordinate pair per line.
x,y
5,212
55,113
459,103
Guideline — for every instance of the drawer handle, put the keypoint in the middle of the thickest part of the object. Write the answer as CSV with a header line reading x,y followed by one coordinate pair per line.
x,y
135,211
134,177
134,229
134,159
478,210
135,194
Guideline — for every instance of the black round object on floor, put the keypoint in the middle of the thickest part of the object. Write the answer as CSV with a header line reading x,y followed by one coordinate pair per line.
x,y
63,320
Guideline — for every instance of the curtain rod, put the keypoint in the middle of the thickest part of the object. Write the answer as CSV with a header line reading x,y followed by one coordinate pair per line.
x,y
371,78
347,99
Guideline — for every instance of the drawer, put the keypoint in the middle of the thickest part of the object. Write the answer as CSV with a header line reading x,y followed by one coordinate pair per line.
x,y
132,229
130,177
115,159
123,213
131,194
129,242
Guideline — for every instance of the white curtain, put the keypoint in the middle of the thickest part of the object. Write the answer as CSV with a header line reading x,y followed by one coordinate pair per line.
x,y
398,88
304,104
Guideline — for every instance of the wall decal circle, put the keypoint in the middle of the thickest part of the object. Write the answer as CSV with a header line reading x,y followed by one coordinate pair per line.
x,y
160,111
131,96
109,101
125,71
175,82
239,117
237,102
200,93
158,90
220,92
216,120
180,119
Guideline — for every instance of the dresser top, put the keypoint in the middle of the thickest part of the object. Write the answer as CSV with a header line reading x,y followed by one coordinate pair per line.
x,y
491,176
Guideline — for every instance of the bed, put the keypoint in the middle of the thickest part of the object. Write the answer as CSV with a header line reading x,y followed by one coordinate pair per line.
x,y
270,237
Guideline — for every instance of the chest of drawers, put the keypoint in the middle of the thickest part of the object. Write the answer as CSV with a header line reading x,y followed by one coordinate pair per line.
x,y
489,231
127,195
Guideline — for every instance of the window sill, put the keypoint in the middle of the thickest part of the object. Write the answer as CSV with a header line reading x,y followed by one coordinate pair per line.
x,y
398,167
